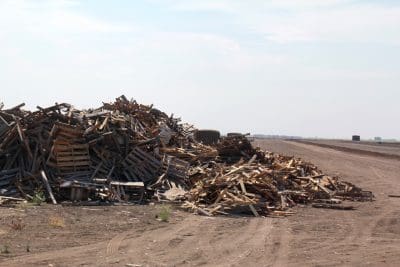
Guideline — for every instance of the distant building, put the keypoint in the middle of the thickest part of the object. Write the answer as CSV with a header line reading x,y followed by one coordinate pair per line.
x,y
356,138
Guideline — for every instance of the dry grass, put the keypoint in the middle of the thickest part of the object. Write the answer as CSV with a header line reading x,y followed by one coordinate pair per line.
x,y
24,205
56,221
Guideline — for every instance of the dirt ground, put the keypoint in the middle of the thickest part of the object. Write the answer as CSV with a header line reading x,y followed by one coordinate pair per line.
x,y
386,150
132,235
389,148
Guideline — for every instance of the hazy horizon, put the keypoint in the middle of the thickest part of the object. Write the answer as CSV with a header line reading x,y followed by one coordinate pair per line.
x,y
306,68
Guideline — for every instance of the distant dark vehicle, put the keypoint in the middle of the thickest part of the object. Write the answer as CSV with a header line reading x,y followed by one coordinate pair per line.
x,y
207,137
247,135
356,138
233,134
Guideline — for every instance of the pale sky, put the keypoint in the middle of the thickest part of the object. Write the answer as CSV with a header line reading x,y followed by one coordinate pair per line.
x,y
327,68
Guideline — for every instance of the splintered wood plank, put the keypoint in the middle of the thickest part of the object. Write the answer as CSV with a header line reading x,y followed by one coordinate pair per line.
x,y
48,188
242,187
254,211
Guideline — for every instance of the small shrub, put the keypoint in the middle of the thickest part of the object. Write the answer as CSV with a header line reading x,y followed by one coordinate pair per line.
x,y
164,214
56,221
38,198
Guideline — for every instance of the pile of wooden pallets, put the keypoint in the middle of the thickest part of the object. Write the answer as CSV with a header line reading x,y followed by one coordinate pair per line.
x,y
126,151
95,150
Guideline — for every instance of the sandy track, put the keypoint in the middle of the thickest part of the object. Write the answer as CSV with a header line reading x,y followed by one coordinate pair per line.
x,y
376,150
368,236
202,241
386,148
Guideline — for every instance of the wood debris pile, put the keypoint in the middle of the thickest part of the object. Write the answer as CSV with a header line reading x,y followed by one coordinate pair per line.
x,y
236,147
82,154
270,187
128,152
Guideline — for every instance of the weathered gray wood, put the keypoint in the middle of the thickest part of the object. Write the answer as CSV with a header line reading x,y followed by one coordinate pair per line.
x,y
48,187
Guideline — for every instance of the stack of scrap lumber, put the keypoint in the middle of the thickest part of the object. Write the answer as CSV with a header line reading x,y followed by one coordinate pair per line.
x,y
266,188
87,150
128,152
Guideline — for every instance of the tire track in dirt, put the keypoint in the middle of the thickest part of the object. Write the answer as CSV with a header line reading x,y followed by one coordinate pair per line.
x,y
358,238
256,235
244,240
114,243
280,249
352,235
200,240
348,233
366,235
174,239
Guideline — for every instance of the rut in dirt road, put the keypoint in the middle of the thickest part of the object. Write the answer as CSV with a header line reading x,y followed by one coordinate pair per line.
x,y
202,240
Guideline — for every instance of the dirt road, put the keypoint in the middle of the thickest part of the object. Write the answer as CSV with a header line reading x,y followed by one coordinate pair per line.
x,y
368,236
384,150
